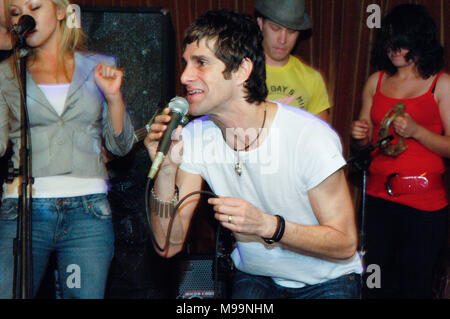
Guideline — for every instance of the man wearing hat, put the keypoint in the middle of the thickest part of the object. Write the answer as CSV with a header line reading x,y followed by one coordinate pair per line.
x,y
289,80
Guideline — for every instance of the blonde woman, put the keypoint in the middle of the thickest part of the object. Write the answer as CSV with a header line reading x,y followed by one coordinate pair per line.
x,y
74,100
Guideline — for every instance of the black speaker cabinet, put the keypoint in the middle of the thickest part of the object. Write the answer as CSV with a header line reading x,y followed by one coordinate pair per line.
x,y
197,278
143,41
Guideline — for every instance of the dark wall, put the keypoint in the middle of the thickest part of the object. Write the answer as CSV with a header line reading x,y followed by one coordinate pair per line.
x,y
339,47
142,40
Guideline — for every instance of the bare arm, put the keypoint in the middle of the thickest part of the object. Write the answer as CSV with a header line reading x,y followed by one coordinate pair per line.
x,y
164,188
336,234
109,80
363,127
324,115
334,237
118,129
168,179
440,144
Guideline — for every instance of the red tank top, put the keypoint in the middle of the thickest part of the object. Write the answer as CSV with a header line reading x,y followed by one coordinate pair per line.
x,y
417,159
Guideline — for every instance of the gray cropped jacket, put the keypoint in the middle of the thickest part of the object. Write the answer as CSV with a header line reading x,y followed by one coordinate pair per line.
x,y
67,144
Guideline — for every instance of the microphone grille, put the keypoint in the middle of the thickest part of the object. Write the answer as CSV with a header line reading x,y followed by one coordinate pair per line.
x,y
179,104
27,21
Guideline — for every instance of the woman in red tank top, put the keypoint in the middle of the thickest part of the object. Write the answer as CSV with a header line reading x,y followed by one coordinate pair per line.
x,y
407,207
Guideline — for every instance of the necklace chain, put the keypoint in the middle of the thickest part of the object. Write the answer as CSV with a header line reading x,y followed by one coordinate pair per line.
x,y
238,164
259,133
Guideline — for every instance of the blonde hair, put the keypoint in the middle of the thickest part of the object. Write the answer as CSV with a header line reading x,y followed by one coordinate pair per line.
x,y
72,39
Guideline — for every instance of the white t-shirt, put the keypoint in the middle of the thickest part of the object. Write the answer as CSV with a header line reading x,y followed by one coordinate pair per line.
x,y
299,152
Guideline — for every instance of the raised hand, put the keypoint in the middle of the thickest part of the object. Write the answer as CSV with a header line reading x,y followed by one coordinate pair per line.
x,y
109,80
360,129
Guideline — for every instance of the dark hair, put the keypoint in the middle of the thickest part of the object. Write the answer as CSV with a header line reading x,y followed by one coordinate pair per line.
x,y
409,26
236,37
258,14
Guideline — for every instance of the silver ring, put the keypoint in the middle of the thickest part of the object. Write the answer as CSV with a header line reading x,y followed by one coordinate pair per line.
x,y
230,218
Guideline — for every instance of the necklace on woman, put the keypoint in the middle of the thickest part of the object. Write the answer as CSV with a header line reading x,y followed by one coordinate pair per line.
x,y
238,164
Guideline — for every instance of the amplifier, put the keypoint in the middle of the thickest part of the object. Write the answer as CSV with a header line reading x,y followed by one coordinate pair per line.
x,y
196,278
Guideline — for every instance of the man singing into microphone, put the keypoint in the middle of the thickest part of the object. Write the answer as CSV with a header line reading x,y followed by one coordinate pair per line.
x,y
282,189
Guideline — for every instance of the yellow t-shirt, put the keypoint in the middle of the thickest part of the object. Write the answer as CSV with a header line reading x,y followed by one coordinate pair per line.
x,y
297,84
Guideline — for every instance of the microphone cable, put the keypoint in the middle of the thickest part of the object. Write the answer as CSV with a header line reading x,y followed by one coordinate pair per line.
x,y
148,188
172,218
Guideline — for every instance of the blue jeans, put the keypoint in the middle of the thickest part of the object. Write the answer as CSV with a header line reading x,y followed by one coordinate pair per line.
x,y
247,286
78,229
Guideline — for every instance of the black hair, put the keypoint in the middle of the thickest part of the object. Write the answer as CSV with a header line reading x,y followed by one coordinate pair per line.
x,y
409,26
258,14
237,37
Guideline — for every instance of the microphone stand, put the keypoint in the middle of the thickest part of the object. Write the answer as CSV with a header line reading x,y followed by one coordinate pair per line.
x,y
23,275
361,161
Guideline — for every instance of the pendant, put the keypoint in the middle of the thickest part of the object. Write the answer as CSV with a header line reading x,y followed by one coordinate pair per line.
x,y
238,168
238,165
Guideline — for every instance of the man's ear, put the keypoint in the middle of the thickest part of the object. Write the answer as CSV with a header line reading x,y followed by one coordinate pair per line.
x,y
244,71
260,22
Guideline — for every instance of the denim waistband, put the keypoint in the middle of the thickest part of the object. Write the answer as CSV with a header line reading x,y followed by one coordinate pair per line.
x,y
66,201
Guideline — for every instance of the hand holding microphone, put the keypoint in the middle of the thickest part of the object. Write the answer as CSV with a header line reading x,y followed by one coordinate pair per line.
x,y
159,139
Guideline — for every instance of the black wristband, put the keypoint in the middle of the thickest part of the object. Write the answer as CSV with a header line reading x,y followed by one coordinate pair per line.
x,y
279,232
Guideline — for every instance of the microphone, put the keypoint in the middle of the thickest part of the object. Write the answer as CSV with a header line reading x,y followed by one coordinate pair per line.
x,y
26,24
380,143
362,159
179,107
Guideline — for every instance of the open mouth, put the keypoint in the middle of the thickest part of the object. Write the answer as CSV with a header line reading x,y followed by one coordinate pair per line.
x,y
30,33
193,93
